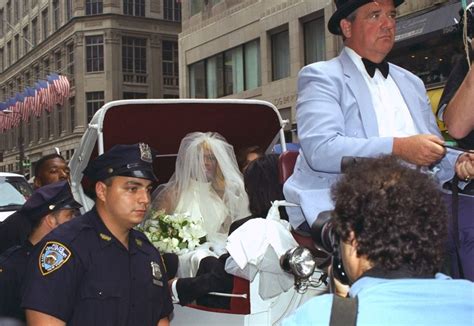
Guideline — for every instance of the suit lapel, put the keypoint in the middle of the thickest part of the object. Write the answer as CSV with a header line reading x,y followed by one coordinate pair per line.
x,y
356,83
410,96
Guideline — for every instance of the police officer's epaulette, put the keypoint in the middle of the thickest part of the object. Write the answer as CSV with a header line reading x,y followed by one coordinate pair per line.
x,y
140,237
10,251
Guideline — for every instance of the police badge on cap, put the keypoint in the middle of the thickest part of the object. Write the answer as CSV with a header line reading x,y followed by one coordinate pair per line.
x,y
145,152
123,160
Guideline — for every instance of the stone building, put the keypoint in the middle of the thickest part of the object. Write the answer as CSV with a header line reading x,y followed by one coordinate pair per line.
x,y
255,48
108,49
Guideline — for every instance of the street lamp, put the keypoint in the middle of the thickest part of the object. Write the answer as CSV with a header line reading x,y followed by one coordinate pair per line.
x,y
21,147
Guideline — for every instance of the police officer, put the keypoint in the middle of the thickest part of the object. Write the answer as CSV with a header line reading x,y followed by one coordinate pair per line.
x,y
97,270
47,208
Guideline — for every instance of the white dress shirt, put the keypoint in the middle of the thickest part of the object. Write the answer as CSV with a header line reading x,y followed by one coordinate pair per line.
x,y
393,117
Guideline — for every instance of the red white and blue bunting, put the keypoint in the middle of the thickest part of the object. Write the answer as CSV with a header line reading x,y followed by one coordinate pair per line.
x,y
45,94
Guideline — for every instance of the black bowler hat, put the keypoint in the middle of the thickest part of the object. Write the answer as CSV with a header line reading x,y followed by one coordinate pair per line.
x,y
344,8
48,199
122,160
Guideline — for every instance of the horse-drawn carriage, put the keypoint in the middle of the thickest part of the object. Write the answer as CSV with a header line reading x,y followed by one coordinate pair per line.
x,y
162,124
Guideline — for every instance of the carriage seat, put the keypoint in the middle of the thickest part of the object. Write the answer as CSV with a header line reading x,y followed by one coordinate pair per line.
x,y
286,164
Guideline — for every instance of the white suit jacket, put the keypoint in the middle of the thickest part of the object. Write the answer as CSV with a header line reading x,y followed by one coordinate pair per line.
x,y
336,118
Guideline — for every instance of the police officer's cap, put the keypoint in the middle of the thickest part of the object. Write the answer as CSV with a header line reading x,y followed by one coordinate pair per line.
x,y
48,199
123,160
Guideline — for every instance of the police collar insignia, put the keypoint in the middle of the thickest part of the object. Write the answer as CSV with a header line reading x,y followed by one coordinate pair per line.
x,y
53,256
156,272
145,153
105,237
139,242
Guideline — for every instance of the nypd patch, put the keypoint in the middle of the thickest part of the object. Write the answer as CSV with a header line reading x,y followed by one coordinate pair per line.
x,y
53,256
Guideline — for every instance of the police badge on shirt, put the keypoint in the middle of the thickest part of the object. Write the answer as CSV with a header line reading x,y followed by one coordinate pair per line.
x,y
52,257
156,273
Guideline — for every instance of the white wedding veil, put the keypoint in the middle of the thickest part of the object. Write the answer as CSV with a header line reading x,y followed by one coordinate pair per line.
x,y
207,181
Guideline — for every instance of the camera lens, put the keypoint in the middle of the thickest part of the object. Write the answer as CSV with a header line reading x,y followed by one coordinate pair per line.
x,y
322,232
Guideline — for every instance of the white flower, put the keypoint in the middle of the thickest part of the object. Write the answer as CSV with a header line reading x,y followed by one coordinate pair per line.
x,y
175,233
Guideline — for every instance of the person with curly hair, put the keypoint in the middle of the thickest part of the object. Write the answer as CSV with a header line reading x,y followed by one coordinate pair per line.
x,y
391,226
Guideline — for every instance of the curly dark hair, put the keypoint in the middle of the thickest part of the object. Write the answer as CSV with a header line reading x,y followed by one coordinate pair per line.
x,y
397,214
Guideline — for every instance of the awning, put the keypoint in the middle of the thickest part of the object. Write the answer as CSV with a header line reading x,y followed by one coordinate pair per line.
x,y
442,19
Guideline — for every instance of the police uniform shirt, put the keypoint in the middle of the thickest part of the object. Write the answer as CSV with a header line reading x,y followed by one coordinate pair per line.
x,y
81,274
12,270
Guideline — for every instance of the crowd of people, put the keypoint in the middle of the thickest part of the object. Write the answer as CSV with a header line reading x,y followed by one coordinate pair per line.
x,y
392,227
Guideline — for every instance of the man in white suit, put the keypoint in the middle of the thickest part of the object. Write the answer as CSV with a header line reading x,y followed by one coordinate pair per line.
x,y
359,105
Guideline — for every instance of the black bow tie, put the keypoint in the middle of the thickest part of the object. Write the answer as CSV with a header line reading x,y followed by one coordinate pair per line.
x,y
371,66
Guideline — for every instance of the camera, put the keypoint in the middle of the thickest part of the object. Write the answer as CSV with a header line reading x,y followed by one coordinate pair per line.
x,y
326,239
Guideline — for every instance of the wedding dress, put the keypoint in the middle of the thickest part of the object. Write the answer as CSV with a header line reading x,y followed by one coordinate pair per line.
x,y
202,201
207,184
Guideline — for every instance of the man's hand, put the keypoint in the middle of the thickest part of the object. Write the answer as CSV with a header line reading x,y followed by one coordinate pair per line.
x,y
465,166
421,150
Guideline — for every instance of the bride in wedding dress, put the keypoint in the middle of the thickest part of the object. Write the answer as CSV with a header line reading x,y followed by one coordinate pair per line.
x,y
207,184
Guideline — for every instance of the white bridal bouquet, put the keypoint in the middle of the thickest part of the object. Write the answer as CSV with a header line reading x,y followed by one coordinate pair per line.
x,y
175,233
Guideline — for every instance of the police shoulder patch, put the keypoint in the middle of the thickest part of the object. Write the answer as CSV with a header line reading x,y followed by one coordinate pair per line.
x,y
53,256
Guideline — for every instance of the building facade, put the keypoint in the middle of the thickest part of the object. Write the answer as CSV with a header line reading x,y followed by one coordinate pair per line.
x,y
108,49
255,48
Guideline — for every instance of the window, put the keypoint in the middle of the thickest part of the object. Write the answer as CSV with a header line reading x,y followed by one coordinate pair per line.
x,y
70,63
19,85
57,61
280,55
34,28
56,14
36,71
170,63
16,10
29,131
46,67
38,128
233,71
94,53
252,65
26,7
172,10
17,47
214,76
134,59
2,17
226,73
72,113
314,44
27,78
49,124
1,60
44,19
9,11
133,95
68,10
196,6
59,110
134,7
93,7
9,53
197,80
26,38
94,101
